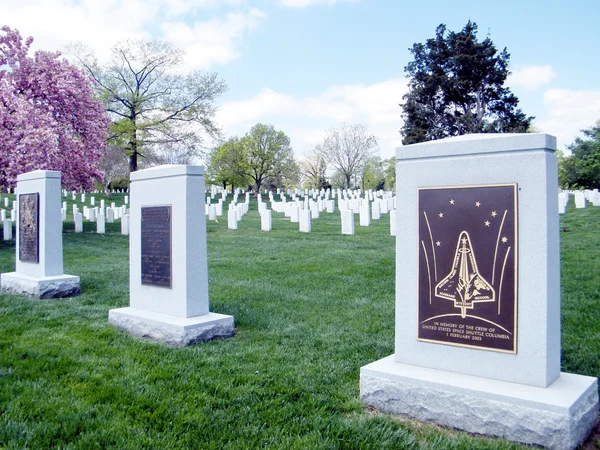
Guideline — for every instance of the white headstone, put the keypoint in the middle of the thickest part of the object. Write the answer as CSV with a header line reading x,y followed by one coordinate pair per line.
x,y
375,211
110,215
304,220
125,224
330,206
100,224
579,199
78,218
347,221
266,220
393,220
168,267
7,229
232,221
365,215
294,213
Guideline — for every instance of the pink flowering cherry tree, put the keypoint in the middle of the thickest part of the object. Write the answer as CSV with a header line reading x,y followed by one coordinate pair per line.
x,y
50,118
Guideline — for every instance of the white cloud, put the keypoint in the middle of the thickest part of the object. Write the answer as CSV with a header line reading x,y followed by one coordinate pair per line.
x,y
568,112
531,77
213,42
305,3
306,119
100,24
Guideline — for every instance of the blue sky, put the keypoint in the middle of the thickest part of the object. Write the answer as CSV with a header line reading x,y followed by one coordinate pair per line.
x,y
309,65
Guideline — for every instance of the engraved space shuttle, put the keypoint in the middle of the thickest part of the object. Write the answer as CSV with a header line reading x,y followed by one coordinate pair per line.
x,y
464,284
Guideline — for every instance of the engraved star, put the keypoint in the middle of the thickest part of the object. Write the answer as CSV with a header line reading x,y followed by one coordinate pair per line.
x,y
438,243
478,204
504,240
487,223
452,201
494,213
441,215
463,240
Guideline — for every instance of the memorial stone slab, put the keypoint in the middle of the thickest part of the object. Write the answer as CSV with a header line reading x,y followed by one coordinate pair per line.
x,y
168,281
39,258
478,295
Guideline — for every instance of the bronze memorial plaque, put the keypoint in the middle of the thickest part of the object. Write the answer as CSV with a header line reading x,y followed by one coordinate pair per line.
x,y
156,246
468,266
29,228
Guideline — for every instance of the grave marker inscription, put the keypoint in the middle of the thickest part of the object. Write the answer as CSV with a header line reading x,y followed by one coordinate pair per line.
x,y
156,246
467,266
29,233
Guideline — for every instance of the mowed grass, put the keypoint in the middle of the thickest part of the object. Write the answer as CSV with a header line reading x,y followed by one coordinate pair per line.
x,y
310,310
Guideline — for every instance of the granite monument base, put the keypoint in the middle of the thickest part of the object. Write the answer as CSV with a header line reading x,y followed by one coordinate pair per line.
x,y
58,286
172,330
557,417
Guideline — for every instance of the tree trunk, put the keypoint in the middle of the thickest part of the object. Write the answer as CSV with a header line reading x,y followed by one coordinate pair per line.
x,y
133,159
133,147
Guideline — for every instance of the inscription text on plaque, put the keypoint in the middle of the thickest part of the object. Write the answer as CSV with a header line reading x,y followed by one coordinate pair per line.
x,y
29,230
468,266
156,246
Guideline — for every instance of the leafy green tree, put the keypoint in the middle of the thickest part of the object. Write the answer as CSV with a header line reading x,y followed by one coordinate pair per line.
x,y
226,164
150,101
390,173
457,87
267,154
262,154
582,168
373,176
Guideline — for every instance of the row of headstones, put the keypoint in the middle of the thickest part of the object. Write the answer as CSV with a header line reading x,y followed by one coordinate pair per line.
x,y
581,197
302,212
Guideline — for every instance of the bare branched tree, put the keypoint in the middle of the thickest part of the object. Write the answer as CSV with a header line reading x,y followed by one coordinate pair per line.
x,y
314,168
113,164
347,148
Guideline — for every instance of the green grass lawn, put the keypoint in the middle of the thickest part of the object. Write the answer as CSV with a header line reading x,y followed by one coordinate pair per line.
x,y
310,310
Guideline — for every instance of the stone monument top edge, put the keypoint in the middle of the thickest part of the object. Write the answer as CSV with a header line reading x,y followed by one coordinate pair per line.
x,y
38,174
168,170
477,143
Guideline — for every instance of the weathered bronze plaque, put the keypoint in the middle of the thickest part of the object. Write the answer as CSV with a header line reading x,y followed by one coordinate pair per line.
x,y
29,228
156,246
468,266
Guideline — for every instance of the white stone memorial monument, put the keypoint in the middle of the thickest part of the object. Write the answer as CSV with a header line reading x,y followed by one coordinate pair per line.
x,y
39,253
168,273
478,295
